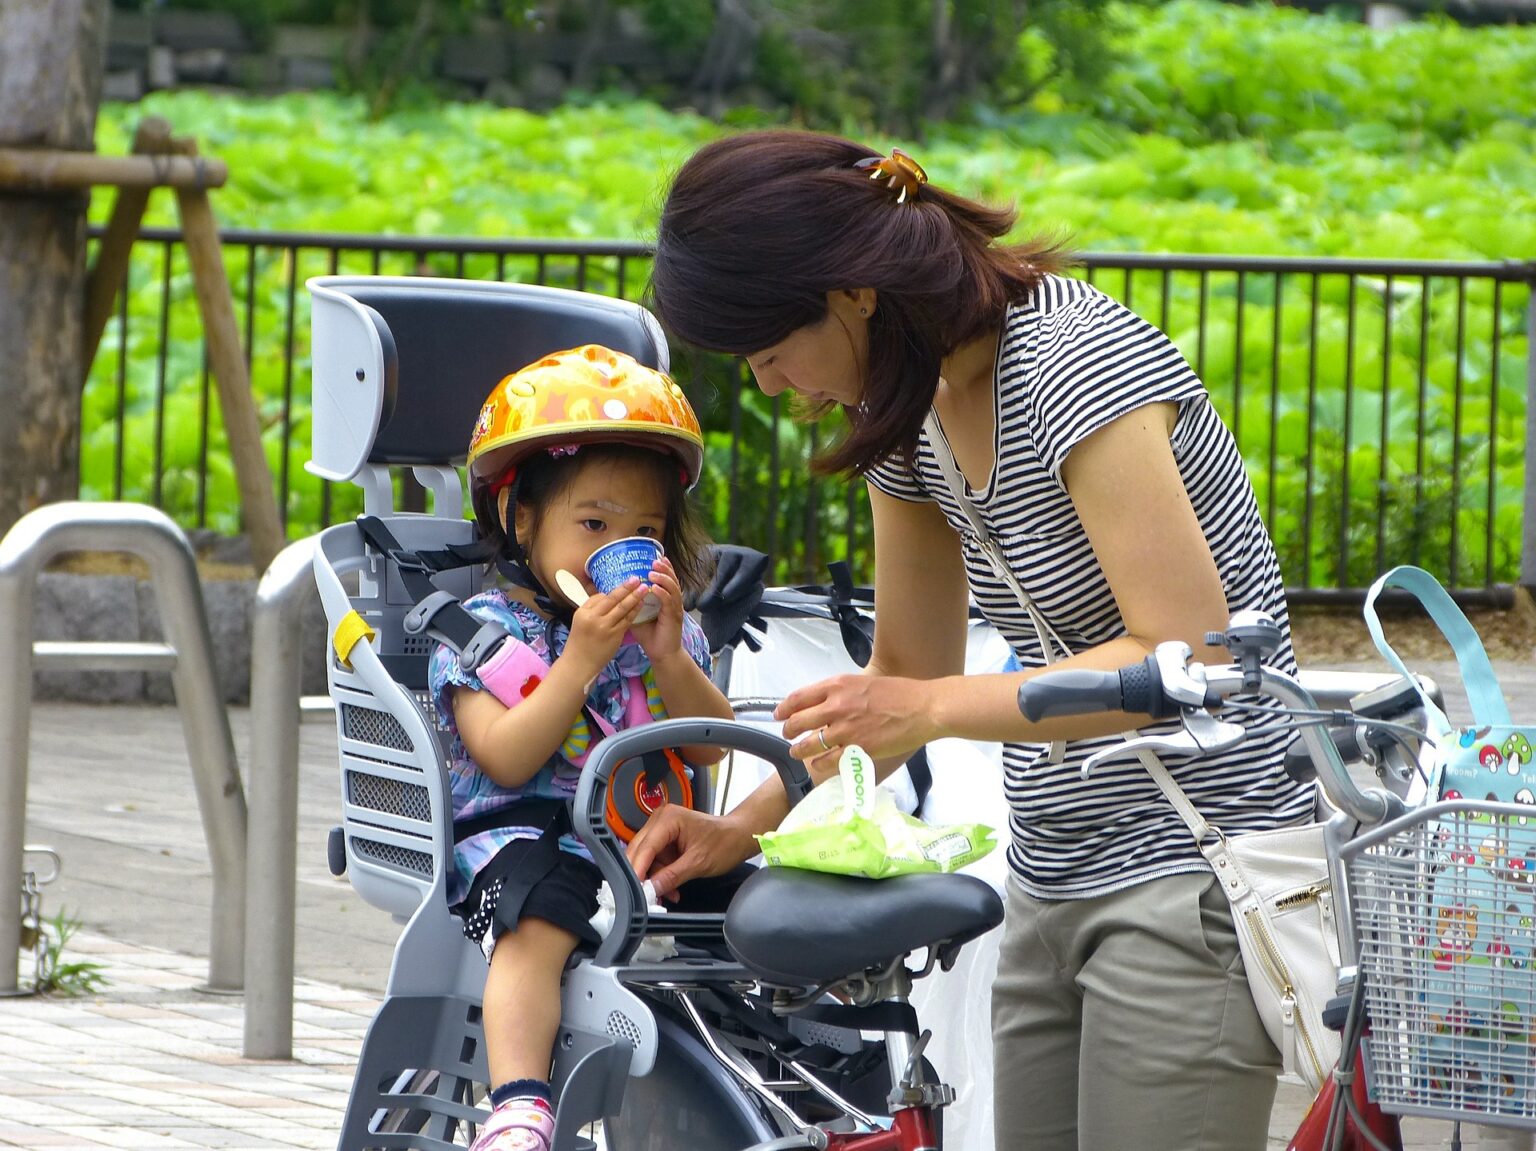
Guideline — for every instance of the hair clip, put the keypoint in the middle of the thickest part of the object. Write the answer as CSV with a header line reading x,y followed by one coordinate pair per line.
x,y
560,450
899,170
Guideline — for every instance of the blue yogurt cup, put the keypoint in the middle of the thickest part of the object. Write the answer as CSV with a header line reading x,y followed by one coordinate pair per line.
x,y
613,563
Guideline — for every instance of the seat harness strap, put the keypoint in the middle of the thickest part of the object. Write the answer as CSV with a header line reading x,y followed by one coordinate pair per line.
x,y
438,613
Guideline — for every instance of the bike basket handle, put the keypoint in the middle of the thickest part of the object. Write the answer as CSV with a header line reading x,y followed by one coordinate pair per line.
x,y
1076,691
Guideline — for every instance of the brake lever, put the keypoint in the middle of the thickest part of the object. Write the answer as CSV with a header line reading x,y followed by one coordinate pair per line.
x,y
1203,734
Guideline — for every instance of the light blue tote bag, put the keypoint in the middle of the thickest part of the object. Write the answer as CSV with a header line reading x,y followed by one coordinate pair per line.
x,y
1475,924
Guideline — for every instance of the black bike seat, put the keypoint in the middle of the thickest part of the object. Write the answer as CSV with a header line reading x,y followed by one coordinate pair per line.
x,y
802,928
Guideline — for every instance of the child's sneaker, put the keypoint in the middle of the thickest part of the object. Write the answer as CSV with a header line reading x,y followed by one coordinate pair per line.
x,y
517,1125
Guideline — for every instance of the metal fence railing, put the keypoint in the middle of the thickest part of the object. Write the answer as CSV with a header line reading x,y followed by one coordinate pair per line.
x,y
1381,406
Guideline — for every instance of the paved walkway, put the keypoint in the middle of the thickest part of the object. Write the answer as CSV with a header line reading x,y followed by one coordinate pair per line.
x,y
151,1061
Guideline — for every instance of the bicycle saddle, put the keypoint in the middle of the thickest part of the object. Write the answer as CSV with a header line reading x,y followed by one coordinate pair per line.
x,y
802,928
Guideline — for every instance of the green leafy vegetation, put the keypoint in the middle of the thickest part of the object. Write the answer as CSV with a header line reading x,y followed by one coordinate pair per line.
x,y
1216,129
57,975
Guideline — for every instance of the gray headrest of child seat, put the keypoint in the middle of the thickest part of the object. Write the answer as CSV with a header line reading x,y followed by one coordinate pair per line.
x,y
402,364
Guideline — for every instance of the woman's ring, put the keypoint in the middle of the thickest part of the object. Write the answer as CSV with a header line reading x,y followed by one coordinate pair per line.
x,y
821,734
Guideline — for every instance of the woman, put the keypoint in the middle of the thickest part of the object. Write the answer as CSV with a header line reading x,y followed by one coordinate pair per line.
x,y
1091,454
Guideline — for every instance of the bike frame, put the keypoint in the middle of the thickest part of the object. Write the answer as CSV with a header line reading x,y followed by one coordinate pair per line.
x,y
911,1130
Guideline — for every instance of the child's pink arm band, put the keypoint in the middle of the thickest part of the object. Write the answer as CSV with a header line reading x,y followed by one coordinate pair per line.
x,y
513,670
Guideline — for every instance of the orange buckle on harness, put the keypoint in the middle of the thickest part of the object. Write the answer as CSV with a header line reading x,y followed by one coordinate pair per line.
x,y
642,785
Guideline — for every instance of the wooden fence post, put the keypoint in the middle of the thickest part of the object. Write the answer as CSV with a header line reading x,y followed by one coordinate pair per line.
x,y
151,137
242,425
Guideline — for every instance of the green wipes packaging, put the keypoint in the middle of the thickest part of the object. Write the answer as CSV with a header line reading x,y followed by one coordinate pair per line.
x,y
849,826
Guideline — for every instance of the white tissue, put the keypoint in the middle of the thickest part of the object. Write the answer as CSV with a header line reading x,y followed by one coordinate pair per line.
x,y
653,948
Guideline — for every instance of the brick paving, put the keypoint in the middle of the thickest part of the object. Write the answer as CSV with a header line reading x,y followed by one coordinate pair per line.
x,y
151,1061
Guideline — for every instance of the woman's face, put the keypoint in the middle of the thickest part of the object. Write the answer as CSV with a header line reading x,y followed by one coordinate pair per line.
x,y
825,361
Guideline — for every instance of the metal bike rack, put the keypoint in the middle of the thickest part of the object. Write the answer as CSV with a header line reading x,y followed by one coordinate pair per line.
x,y
188,655
286,586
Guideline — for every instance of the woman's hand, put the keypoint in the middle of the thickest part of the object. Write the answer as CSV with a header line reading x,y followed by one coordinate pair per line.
x,y
663,636
884,715
598,627
678,844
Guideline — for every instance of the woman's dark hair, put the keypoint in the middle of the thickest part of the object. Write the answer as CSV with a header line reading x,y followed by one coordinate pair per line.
x,y
544,478
758,228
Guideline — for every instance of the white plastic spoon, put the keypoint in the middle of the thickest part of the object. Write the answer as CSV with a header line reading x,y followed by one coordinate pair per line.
x,y
570,587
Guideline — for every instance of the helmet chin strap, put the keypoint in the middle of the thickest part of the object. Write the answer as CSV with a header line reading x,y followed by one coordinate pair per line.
x,y
515,568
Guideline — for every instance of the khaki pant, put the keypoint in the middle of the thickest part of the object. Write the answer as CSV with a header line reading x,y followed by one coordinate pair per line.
x,y
1124,1022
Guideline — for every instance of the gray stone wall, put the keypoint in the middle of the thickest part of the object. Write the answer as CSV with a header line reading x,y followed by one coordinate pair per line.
x,y
158,49
121,608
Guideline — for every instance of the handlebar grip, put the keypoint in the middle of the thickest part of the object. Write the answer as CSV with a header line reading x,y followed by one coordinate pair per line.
x,y
1072,692
1141,690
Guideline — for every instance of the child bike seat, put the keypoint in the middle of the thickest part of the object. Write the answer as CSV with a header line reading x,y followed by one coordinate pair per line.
x,y
804,928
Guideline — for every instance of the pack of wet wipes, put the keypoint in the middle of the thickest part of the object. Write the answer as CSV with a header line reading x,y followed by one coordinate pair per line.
x,y
850,826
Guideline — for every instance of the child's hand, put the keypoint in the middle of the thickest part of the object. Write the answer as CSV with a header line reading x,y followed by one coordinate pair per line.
x,y
663,636
598,627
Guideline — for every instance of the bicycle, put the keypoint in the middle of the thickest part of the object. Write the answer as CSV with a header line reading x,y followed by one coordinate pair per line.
x,y
1384,844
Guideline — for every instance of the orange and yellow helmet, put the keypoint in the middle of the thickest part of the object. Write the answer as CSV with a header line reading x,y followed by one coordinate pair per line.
x,y
586,395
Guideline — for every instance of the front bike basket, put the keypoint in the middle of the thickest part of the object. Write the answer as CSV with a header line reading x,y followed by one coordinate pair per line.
x,y
1444,904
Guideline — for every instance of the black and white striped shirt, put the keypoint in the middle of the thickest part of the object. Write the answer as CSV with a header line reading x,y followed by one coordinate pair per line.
x,y
1070,361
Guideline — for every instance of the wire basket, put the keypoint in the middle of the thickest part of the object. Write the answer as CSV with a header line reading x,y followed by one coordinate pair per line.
x,y
1443,902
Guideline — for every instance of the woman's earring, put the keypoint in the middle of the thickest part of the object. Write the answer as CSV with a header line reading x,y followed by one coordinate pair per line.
x,y
863,311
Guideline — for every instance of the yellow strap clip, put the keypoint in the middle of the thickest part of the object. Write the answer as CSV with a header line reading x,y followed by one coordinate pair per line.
x,y
352,628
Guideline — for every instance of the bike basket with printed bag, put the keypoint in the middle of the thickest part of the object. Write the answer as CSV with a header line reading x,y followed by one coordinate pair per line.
x,y
1445,899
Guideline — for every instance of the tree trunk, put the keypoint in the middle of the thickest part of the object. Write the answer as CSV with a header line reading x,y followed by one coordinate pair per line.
x,y
732,41
52,54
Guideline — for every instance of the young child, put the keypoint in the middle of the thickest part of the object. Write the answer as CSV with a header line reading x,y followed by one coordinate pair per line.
x,y
579,449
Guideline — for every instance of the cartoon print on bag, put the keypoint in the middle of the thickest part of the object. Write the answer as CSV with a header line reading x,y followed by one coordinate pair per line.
x,y
1517,745
1528,798
1456,932
1490,851
1469,736
1517,870
1490,758
1511,1029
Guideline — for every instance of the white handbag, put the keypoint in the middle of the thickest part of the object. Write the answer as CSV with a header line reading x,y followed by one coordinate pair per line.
x,y
1282,903
1276,881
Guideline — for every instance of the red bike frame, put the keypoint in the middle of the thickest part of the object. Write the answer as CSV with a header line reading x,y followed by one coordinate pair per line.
x,y
1312,1135
911,1130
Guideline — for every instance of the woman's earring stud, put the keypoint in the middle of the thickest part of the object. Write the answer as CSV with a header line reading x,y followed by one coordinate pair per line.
x,y
863,311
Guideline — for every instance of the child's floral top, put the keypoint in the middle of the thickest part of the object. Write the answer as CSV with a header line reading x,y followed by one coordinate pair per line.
x,y
623,694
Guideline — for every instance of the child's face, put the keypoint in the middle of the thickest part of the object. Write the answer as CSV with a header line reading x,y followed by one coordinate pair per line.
x,y
607,500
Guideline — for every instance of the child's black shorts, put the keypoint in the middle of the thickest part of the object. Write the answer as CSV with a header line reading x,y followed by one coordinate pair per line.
x,y
566,897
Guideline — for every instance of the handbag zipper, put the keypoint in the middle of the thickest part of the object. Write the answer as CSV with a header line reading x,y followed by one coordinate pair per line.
x,y
1297,898
1279,975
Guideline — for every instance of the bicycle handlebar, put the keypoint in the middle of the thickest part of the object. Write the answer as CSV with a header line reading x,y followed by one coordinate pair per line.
x,y
1143,689
1079,691
1076,691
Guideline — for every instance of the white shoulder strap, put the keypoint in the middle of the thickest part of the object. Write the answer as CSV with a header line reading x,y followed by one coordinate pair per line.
x,y
1044,632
